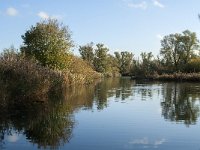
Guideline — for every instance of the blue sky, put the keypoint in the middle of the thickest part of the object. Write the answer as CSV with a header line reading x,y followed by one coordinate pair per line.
x,y
132,25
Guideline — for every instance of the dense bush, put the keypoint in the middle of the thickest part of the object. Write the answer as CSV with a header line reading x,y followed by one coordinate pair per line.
x,y
25,78
193,65
81,71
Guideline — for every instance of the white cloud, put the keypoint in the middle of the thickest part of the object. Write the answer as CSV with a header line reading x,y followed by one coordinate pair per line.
x,y
142,5
158,4
160,37
43,15
11,11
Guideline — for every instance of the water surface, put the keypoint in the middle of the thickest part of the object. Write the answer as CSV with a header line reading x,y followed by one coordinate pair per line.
x,y
115,114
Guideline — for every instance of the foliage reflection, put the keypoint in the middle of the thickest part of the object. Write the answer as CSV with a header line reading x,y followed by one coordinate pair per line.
x,y
49,124
45,123
181,102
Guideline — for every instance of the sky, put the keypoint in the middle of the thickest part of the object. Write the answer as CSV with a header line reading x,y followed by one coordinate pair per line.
x,y
122,25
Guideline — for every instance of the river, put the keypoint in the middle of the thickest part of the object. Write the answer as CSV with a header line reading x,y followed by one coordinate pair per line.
x,y
115,114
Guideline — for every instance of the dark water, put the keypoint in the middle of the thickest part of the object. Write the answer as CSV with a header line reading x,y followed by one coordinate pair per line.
x,y
116,114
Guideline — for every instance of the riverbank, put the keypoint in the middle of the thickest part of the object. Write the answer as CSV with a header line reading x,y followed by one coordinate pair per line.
x,y
194,77
25,79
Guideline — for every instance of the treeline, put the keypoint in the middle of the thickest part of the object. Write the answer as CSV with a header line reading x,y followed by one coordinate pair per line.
x,y
101,61
179,54
179,58
45,64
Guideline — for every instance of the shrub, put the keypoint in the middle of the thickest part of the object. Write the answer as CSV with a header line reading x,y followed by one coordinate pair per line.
x,y
25,79
193,65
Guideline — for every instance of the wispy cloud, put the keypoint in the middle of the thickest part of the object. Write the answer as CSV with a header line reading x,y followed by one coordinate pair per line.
x,y
142,5
44,15
158,4
159,36
11,11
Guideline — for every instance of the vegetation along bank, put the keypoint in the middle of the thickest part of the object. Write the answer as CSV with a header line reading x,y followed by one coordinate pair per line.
x,y
45,64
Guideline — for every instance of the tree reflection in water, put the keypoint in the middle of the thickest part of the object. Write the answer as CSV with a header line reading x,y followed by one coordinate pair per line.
x,y
49,123
181,102
120,88
46,121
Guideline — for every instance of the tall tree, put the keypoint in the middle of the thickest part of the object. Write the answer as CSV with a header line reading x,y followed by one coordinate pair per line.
x,y
100,60
178,48
112,65
49,42
170,49
147,62
124,60
87,53
190,44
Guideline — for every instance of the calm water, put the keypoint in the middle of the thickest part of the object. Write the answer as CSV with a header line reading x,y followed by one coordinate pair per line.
x,y
116,114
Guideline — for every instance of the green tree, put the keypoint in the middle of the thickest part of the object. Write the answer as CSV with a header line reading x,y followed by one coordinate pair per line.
x,y
124,60
87,53
112,66
147,66
49,42
147,63
170,49
100,60
190,44
118,59
177,49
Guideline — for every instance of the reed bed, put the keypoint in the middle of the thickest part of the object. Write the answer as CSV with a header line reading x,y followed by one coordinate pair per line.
x,y
23,79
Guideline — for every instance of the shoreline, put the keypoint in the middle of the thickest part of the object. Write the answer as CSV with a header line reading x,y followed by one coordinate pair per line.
x,y
193,77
